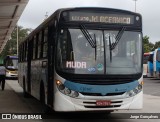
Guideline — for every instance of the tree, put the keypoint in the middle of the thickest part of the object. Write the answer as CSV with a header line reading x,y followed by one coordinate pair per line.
x,y
157,45
11,46
148,46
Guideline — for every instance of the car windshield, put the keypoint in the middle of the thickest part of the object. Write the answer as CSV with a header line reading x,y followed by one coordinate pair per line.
x,y
99,52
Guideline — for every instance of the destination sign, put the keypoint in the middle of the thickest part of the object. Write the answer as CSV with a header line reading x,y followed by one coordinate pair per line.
x,y
101,18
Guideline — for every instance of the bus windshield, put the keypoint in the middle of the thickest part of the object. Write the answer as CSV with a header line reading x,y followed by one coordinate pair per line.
x,y
12,63
76,55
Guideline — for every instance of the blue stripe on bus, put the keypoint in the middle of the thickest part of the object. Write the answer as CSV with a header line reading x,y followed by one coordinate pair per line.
x,y
157,63
151,67
157,66
103,89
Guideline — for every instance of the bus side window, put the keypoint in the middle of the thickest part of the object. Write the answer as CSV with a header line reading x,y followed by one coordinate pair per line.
x,y
158,55
39,45
19,56
34,47
20,52
26,49
23,52
44,43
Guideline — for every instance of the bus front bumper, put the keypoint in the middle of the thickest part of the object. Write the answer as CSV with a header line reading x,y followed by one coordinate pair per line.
x,y
66,103
11,75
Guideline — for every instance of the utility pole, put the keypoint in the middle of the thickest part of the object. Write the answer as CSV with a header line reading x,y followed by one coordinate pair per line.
x,y
135,4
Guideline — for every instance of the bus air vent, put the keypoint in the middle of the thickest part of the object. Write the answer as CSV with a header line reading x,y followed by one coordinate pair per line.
x,y
99,94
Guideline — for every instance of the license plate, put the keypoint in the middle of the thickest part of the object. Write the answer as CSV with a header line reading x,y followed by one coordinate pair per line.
x,y
103,103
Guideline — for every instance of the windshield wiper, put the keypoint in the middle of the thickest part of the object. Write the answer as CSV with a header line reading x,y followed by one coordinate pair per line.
x,y
118,37
95,47
85,32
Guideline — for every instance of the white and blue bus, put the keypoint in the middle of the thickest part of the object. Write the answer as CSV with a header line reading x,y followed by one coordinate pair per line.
x,y
145,64
150,65
85,59
156,63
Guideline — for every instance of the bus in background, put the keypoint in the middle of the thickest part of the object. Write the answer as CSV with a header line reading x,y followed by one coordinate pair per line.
x,y
156,63
145,60
85,59
150,65
11,65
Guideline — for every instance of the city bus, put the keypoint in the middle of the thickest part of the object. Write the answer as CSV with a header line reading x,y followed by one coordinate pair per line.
x,y
11,65
85,59
156,63
150,65
145,65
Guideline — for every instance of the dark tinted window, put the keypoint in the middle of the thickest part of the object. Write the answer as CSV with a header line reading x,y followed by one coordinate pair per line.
x,y
145,59
158,55
150,58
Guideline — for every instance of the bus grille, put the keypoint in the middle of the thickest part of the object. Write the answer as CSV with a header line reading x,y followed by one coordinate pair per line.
x,y
99,94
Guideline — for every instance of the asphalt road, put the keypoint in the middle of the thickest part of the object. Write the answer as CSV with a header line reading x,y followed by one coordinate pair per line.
x,y
152,86
12,101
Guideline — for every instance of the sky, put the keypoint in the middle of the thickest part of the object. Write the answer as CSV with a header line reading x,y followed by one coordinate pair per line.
x,y
35,11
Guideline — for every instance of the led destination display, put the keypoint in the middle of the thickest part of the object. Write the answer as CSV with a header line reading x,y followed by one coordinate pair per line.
x,y
101,18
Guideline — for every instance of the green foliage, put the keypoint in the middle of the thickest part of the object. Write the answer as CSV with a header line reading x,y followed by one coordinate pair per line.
x,y
11,46
145,39
148,46
157,45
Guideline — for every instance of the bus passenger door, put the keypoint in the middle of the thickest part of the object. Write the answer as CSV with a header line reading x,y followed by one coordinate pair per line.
x,y
29,57
50,80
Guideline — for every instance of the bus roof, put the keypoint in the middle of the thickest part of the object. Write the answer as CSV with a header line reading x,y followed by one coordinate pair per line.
x,y
58,11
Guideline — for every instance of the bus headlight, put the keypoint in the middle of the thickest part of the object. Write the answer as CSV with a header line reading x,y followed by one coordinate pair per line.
x,y
7,71
139,87
67,91
61,87
135,91
75,94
